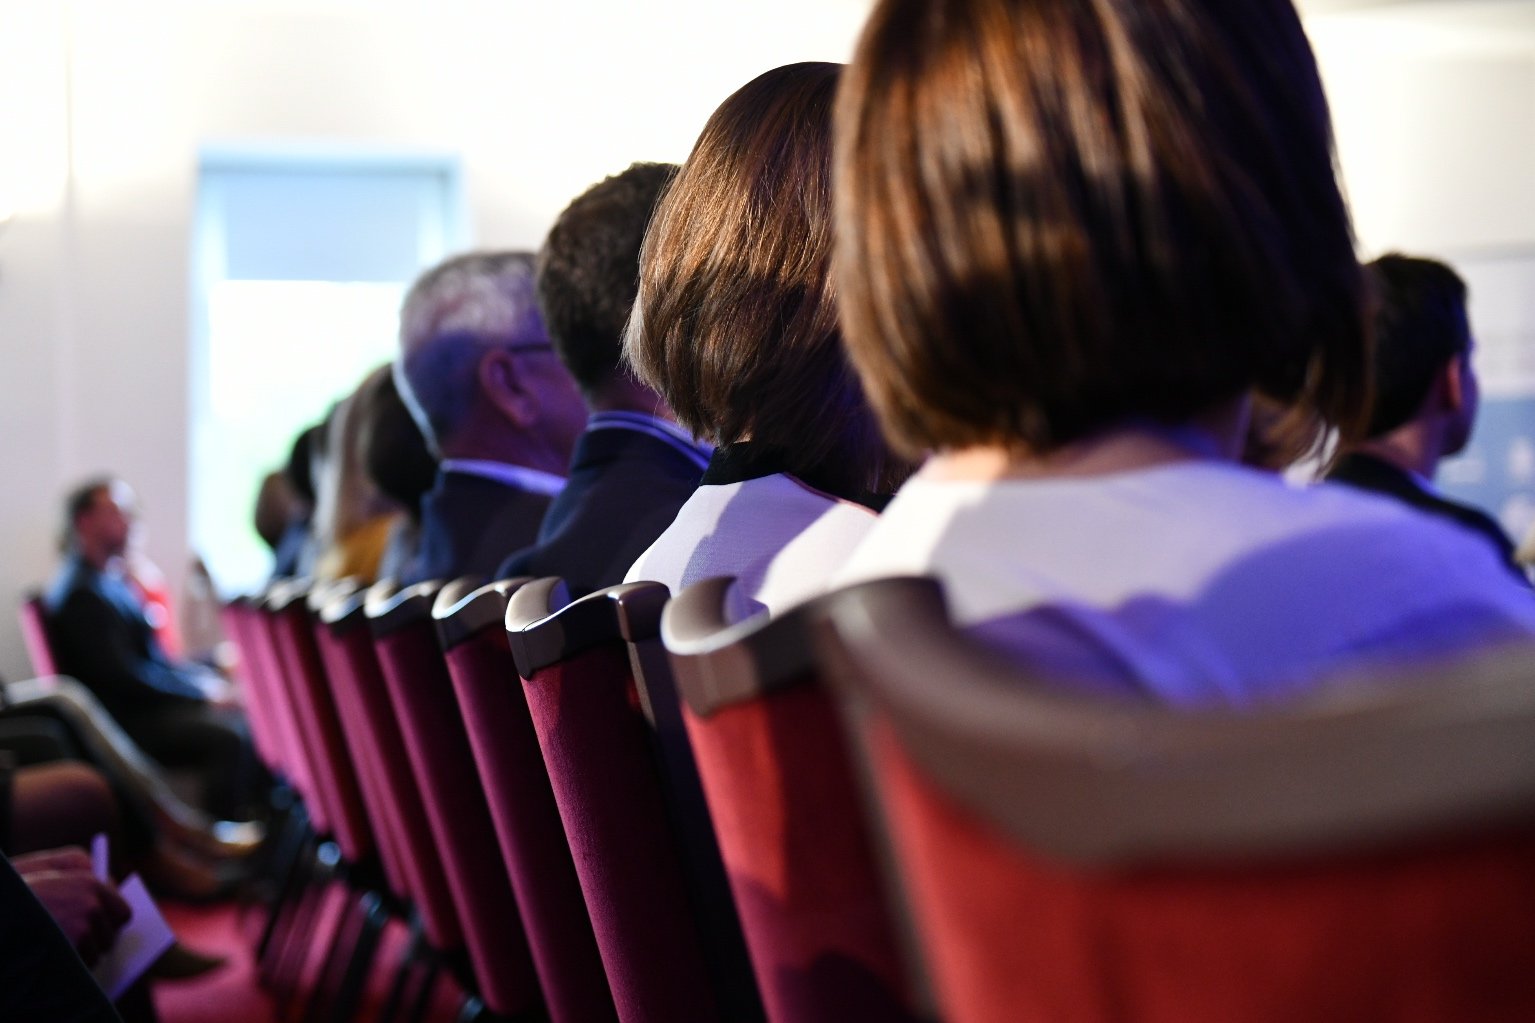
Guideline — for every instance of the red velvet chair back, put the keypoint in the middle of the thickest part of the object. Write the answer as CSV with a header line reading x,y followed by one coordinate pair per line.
x,y
603,762
354,665
34,633
236,618
319,725
277,690
1363,854
361,748
471,627
789,811
426,709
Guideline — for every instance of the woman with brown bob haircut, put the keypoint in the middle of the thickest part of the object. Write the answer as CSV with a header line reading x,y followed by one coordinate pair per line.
x,y
735,327
1073,237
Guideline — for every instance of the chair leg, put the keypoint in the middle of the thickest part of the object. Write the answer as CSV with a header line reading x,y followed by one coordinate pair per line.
x,y
370,931
413,978
423,1001
337,958
286,865
288,914
296,949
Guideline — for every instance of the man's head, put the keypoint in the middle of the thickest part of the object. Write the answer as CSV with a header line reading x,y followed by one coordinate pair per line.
x,y
476,366
98,518
1422,348
588,273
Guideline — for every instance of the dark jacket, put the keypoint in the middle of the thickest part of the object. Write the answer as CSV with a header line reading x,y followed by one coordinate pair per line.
x,y
469,524
625,488
1366,472
99,634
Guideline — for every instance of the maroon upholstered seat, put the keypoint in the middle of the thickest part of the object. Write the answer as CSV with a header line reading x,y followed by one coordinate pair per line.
x,y
620,819
471,627
437,746
236,616
353,663
788,810
1361,854
319,726
34,634
267,664
356,729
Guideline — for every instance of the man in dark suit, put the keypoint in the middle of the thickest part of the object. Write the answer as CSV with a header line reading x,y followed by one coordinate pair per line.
x,y
496,405
633,466
181,713
1425,393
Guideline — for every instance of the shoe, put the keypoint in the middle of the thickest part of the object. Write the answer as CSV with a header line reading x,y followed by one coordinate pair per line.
x,y
181,963
173,874
217,840
229,840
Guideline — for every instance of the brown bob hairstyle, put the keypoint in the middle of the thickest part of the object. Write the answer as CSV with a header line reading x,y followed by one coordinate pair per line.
x,y
1055,217
735,323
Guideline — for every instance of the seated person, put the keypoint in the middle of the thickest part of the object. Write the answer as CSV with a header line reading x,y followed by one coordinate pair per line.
x,y
496,406
41,973
353,519
1425,400
1064,276
283,515
736,328
181,713
633,467
399,463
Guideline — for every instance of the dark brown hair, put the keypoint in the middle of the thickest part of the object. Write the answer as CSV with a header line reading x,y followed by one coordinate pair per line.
x,y
1061,215
735,324
1420,325
589,268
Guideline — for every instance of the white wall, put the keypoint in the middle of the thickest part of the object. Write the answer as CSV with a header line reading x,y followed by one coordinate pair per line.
x,y
540,99
104,105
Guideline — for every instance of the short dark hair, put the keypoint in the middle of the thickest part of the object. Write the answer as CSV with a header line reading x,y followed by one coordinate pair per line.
x,y
1058,216
589,269
299,469
77,502
1420,325
735,323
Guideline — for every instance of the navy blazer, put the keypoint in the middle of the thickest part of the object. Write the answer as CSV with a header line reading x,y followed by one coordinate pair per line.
x,y
1366,472
625,488
99,634
469,524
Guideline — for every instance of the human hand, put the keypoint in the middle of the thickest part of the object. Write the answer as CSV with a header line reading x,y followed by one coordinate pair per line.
x,y
89,911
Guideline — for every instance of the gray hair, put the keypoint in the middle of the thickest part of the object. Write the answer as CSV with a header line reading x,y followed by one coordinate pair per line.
x,y
451,315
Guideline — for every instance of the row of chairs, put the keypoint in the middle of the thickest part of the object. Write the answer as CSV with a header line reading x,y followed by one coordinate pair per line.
x,y
674,817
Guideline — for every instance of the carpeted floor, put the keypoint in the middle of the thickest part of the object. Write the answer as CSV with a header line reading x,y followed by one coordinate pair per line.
x,y
231,993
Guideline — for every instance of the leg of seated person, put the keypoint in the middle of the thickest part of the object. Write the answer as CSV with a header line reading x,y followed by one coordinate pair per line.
x,y
60,804
104,742
210,740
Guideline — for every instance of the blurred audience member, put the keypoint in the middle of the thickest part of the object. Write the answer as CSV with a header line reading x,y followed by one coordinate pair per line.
x,y
496,405
352,517
634,466
736,327
181,713
1425,394
294,502
42,976
1064,261
397,460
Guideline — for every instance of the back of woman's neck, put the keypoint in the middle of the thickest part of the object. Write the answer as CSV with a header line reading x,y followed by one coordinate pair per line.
x,y
1125,448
